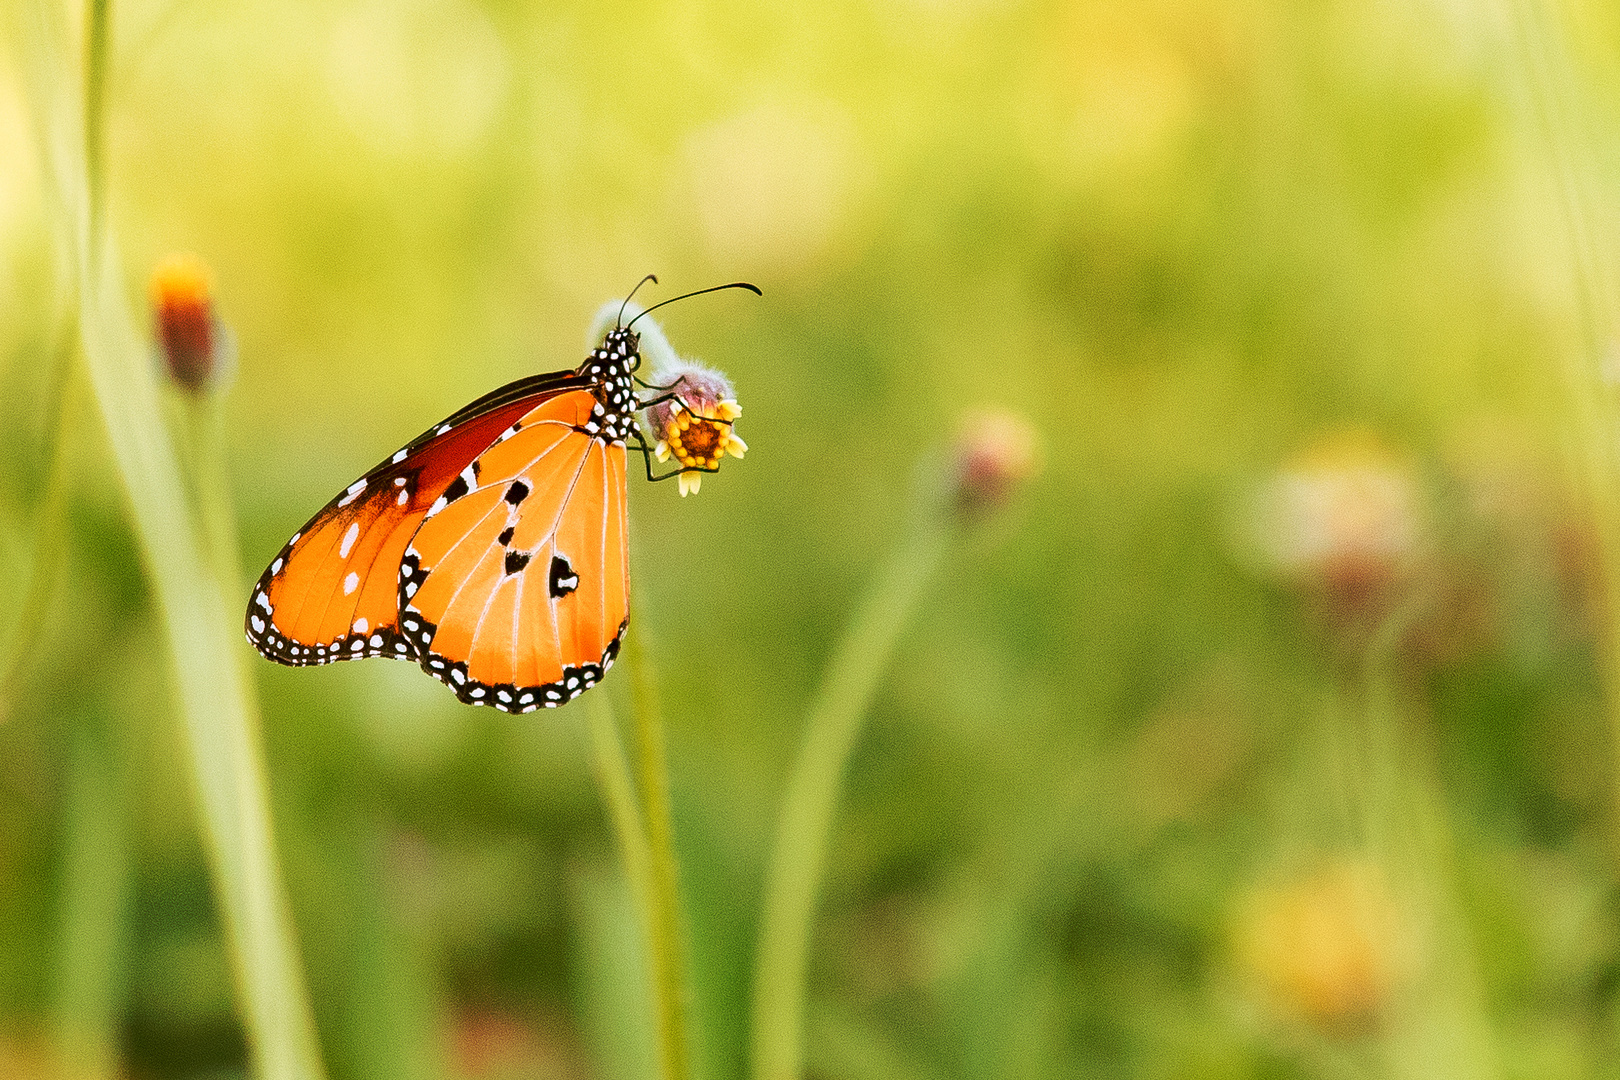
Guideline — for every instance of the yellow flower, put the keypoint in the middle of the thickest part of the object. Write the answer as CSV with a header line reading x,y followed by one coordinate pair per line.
x,y
695,426
1325,946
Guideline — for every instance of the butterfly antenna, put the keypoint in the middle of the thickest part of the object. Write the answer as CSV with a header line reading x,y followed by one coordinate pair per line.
x,y
650,277
713,288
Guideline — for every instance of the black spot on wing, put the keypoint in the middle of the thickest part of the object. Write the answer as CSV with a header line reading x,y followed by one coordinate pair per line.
x,y
562,579
517,560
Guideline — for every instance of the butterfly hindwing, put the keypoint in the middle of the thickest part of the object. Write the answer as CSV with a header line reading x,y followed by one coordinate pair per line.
x,y
332,592
514,592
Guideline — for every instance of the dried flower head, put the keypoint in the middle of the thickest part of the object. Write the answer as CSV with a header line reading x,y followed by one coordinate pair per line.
x,y
1343,519
995,452
694,424
183,313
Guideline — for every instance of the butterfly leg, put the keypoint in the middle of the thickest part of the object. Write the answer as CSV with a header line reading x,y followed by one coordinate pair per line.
x,y
650,402
682,402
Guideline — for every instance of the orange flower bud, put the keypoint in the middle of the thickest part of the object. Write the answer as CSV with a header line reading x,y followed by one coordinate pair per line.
x,y
183,314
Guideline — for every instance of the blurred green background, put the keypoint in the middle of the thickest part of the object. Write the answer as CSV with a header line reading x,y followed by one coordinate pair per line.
x,y
1262,736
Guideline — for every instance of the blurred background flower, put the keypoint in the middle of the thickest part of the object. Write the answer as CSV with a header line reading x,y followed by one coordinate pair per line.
x,y
1341,518
995,452
1325,946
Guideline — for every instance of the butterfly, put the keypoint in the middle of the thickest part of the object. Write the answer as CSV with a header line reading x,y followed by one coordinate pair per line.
x,y
490,549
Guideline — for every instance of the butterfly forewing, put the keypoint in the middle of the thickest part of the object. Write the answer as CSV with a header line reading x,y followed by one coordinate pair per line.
x,y
515,592
332,591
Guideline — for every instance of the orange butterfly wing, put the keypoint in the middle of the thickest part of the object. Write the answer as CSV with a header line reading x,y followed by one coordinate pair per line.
x,y
514,591
332,591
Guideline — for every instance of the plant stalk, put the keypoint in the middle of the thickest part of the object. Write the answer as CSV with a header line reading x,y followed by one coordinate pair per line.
x,y
1550,87
217,707
805,821
665,946
50,535
618,791
92,952
97,42
1439,1024
202,417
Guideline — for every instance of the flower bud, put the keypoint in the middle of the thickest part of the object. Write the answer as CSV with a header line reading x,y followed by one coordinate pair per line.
x,y
995,452
188,334
694,424
493,1043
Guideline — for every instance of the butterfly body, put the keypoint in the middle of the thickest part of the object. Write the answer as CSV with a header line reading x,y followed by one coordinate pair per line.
x,y
490,550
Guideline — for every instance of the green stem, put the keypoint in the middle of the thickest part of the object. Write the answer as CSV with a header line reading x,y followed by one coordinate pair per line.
x,y
666,950
618,790
797,859
275,987
221,723
50,537
203,419
55,132
91,954
1550,86
97,40
1440,1025
217,707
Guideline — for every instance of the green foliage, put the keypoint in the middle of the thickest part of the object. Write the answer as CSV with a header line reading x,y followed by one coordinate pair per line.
x,y
1138,740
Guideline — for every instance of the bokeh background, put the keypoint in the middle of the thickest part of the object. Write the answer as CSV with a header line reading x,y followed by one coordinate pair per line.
x,y
1262,736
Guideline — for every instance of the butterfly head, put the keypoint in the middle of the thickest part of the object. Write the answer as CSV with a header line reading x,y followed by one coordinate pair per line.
x,y
616,359
623,344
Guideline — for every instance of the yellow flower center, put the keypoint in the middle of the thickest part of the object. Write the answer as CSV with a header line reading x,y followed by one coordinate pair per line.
x,y
697,441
